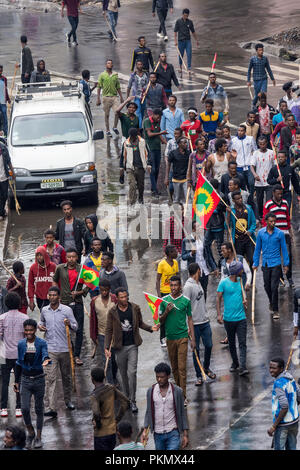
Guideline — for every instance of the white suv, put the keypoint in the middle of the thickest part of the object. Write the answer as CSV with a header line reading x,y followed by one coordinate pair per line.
x,y
51,142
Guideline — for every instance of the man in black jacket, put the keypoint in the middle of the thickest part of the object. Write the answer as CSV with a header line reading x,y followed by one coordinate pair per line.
x,y
70,230
162,7
288,134
288,176
166,74
232,173
27,66
5,168
143,54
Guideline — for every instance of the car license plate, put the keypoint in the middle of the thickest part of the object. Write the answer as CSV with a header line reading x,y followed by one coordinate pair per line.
x,y
52,183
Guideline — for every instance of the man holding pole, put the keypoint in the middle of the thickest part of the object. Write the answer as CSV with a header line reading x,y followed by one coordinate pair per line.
x,y
183,28
122,333
66,277
271,242
53,321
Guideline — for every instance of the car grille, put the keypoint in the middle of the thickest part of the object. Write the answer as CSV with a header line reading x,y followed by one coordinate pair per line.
x,y
46,173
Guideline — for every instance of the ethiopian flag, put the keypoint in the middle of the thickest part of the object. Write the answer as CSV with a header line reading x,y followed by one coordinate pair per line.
x,y
154,303
205,201
89,277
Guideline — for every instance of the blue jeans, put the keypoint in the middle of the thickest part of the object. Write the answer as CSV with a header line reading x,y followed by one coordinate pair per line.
x,y
3,110
249,179
203,331
155,157
259,85
185,46
141,107
167,441
113,19
285,437
35,387
73,20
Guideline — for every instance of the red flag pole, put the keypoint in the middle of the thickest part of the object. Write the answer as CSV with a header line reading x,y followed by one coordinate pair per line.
x,y
213,66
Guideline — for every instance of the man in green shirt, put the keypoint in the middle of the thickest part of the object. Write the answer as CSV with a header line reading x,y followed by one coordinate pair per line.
x,y
128,120
154,138
109,82
174,315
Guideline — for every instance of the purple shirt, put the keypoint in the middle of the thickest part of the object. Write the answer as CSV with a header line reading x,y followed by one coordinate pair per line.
x,y
12,331
72,7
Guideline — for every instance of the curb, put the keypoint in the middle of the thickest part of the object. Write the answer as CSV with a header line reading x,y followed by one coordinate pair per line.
x,y
271,48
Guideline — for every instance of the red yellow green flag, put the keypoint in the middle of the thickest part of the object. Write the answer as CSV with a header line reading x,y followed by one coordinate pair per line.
x,y
89,277
205,201
154,303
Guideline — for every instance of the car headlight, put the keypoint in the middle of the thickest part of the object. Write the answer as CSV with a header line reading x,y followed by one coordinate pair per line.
x,y
89,166
21,172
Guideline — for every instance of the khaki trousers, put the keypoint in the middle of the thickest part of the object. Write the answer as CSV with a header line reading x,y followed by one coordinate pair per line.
x,y
110,102
60,361
177,350
136,181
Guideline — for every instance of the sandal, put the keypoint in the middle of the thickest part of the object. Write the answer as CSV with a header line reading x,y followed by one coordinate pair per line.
x,y
78,361
210,374
199,382
224,341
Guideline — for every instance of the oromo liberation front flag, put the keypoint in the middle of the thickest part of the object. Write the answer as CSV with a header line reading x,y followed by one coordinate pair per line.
x,y
89,277
205,201
154,303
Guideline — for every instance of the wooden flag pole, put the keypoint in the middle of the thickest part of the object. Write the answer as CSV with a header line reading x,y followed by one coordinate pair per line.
x,y
199,363
107,359
187,200
8,271
290,355
234,252
146,91
250,92
253,296
109,25
181,59
213,66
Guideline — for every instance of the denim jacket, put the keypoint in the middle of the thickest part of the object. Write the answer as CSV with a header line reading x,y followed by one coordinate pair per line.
x,y
40,355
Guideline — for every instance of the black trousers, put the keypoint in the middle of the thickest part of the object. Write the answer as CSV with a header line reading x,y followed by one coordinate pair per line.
x,y
260,192
239,329
162,15
204,283
25,79
5,370
78,312
3,196
246,249
271,283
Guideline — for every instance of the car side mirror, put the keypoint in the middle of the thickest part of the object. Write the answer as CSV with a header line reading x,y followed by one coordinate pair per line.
x,y
98,135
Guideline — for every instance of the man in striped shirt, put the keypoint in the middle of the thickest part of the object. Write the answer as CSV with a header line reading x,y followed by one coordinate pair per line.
x,y
279,207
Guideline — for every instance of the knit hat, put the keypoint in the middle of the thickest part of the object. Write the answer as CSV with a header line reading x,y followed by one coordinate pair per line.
x,y
235,268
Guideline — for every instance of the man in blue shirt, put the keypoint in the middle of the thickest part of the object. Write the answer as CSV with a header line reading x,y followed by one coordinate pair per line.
x,y
260,65
285,399
172,117
230,289
271,241
279,117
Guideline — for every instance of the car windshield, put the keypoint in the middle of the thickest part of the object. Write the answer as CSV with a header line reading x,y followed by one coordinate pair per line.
x,y
49,129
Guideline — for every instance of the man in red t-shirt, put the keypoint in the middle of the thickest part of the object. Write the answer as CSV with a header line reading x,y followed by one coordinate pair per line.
x,y
73,6
192,127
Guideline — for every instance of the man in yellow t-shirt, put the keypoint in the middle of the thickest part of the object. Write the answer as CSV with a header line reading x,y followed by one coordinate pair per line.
x,y
166,268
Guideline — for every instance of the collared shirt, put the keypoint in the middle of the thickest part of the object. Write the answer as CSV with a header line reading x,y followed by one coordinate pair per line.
x,y
109,83
137,83
217,94
170,121
53,320
165,418
184,28
260,68
12,331
171,145
271,246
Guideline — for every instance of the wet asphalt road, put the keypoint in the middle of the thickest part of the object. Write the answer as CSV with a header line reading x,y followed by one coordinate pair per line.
x,y
232,412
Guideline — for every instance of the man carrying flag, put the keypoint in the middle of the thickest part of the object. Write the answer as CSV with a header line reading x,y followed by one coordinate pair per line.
x,y
205,201
66,277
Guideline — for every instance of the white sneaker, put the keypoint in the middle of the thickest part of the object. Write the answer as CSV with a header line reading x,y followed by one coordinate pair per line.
x,y
18,413
163,343
159,35
166,38
3,413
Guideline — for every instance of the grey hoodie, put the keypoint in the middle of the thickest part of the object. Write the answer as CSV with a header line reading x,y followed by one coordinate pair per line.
x,y
193,291
116,278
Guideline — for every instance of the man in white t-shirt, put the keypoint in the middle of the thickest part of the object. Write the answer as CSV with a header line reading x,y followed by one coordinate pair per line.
x,y
261,162
243,147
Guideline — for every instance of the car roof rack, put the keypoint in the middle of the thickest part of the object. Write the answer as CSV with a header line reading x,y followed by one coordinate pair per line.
x,y
46,90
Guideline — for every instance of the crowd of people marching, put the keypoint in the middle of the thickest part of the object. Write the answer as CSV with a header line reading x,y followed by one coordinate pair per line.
x,y
254,173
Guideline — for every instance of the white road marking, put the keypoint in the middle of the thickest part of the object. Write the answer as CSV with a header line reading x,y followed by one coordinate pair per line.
x,y
286,73
256,400
205,77
224,72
